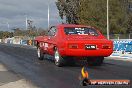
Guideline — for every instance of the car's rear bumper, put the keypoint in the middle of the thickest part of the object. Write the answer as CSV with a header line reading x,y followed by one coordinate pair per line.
x,y
86,53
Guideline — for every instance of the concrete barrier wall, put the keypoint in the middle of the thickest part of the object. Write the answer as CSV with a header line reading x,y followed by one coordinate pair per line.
x,y
18,41
122,47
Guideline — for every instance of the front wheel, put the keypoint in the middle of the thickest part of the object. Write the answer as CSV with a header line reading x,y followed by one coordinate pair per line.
x,y
58,59
40,54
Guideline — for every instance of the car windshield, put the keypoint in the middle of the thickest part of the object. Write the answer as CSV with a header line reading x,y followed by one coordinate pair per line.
x,y
80,31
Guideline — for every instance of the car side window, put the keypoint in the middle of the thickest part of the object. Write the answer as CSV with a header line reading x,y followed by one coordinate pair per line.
x,y
52,31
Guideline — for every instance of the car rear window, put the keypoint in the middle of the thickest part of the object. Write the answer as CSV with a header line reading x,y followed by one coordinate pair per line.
x,y
80,31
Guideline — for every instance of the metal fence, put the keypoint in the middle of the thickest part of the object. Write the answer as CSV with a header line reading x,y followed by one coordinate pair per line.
x,y
120,36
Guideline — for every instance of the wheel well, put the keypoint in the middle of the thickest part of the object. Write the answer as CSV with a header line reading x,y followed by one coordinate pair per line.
x,y
37,44
54,48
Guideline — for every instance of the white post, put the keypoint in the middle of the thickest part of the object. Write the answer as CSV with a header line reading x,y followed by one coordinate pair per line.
x,y
8,26
48,16
108,19
26,22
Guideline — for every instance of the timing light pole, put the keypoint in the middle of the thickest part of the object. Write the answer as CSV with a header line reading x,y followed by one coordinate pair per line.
x,y
8,26
108,37
26,22
48,15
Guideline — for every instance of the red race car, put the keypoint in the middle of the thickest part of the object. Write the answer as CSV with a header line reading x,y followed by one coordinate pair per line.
x,y
68,41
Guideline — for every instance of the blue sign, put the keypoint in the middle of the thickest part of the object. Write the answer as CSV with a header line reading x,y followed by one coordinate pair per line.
x,y
123,46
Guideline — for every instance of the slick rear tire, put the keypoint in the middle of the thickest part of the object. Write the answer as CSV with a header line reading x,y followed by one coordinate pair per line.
x,y
40,54
58,59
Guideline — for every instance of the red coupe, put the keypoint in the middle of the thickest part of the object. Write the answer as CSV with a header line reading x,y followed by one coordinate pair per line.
x,y
68,41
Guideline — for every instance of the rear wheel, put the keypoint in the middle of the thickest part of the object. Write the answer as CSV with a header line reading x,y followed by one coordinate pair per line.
x,y
95,61
40,54
58,59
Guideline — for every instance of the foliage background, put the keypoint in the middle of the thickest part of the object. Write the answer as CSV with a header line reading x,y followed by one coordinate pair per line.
x,y
94,13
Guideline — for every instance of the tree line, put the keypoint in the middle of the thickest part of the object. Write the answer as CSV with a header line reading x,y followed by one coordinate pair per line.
x,y
94,13
21,32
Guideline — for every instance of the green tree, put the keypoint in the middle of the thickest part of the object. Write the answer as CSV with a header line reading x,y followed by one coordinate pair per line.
x,y
93,13
129,24
68,9
5,34
118,15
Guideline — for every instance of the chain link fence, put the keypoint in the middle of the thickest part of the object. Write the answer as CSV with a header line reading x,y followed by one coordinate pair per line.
x,y
120,36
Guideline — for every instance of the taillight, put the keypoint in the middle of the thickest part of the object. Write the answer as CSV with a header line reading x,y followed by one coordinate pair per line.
x,y
106,47
73,46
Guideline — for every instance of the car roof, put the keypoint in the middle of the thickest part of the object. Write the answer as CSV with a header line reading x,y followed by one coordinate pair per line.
x,y
72,25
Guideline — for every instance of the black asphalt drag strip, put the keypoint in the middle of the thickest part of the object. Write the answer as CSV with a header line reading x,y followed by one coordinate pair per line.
x,y
44,74
10,79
